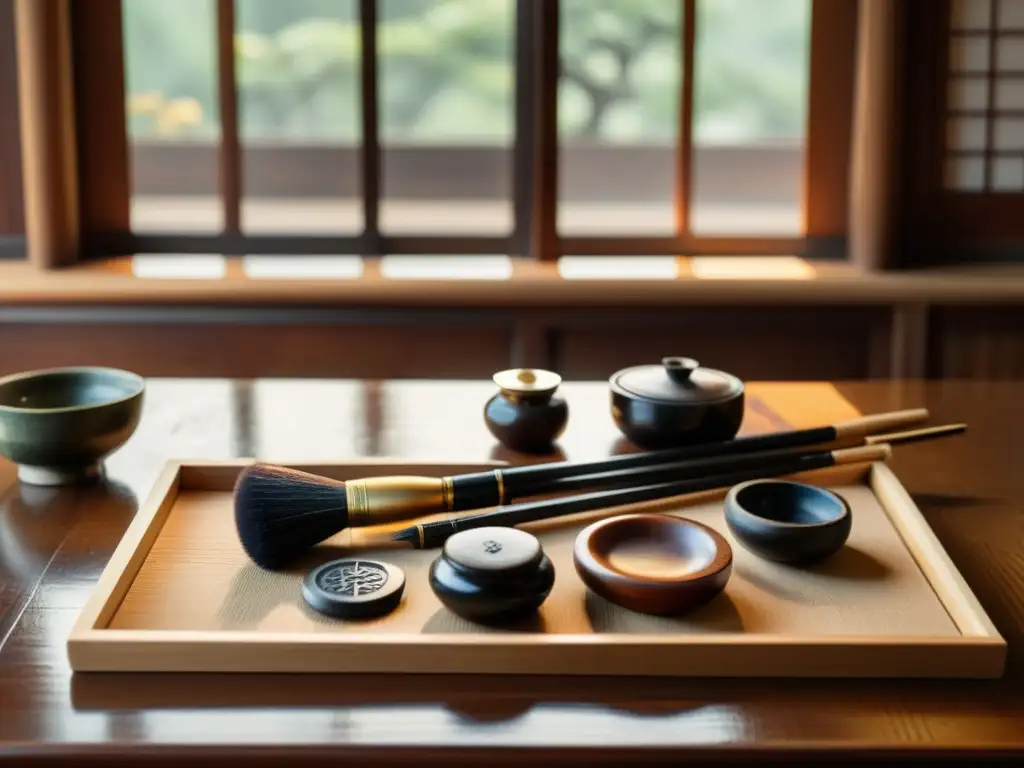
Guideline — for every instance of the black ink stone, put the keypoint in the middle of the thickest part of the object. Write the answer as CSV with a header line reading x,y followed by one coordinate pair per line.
x,y
354,588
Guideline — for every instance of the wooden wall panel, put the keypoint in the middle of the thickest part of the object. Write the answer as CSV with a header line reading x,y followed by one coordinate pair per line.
x,y
766,343
762,343
977,343
259,350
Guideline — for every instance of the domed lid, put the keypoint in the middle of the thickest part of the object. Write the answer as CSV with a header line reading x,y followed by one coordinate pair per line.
x,y
494,551
678,380
527,381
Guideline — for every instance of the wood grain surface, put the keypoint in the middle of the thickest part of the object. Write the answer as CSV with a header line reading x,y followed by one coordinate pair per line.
x,y
54,544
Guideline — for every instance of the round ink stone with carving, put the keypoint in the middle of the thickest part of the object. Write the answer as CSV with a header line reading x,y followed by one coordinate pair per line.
x,y
354,588
492,574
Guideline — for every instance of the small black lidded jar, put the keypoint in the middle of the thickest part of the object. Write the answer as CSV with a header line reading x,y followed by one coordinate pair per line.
x,y
677,403
526,414
493,574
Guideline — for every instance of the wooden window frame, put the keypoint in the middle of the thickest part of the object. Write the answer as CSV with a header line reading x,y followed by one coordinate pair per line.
x,y
943,225
100,194
12,213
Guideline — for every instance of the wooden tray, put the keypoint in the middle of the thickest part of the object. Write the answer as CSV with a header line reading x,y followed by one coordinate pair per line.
x,y
179,594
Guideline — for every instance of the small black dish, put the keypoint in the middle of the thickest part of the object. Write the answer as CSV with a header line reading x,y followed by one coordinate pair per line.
x,y
786,521
492,574
676,404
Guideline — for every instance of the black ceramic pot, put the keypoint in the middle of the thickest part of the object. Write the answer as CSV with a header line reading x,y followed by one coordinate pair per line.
x,y
675,404
527,414
492,575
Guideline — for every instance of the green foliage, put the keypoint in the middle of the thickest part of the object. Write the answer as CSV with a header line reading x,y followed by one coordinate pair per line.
x,y
453,61
169,49
446,69
620,69
750,74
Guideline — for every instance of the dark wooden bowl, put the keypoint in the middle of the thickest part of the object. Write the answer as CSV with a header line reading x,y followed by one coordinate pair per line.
x,y
650,563
787,522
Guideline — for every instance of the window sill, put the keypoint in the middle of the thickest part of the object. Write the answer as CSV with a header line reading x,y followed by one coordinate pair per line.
x,y
495,283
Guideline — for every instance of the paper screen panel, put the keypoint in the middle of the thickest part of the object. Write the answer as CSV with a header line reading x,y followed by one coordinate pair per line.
x,y
984,150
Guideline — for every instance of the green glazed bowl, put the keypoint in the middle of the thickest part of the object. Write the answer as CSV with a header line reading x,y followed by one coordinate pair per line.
x,y
59,424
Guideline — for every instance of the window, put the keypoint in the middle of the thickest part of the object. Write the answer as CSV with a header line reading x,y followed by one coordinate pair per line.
x,y
964,133
466,126
463,126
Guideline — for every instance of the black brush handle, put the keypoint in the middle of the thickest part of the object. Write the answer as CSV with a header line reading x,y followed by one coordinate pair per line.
x,y
668,473
524,481
477,490
436,533
500,486
521,481
428,535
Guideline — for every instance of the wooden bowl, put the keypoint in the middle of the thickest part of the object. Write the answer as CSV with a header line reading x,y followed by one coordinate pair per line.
x,y
786,521
650,563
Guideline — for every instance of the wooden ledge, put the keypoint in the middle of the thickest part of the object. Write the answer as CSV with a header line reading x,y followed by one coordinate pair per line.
x,y
525,284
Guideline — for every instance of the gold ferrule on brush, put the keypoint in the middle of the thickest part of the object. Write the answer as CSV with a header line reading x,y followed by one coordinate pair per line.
x,y
375,500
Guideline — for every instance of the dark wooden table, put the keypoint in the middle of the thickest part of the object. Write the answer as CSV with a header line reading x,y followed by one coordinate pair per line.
x,y
53,545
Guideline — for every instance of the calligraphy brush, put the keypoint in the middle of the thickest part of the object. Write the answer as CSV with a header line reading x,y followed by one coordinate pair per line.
x,y
271,500
428,535
279,512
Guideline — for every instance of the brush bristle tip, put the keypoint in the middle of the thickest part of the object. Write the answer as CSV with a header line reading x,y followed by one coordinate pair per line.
x,y
407,535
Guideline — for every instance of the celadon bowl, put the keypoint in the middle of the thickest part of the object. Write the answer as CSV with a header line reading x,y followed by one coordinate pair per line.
x,y
59,424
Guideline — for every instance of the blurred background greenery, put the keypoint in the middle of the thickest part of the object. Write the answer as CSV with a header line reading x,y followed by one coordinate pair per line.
x,y
446,72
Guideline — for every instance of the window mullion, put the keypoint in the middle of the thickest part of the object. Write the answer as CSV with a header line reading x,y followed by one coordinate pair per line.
x,y
370,128
230,152
685,145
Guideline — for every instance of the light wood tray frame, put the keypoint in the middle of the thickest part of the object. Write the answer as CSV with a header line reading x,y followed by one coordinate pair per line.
x,y
973,649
